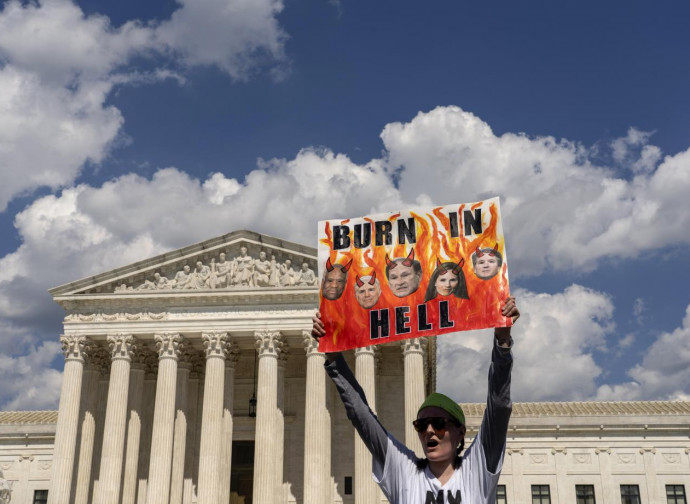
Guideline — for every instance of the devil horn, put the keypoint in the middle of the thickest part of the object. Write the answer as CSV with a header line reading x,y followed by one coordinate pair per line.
x,y
479,252
408,260
458,268
358,281
493,252
329,265
390,263
439,265
347,266
373,278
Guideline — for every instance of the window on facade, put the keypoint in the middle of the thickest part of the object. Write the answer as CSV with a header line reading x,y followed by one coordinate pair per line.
x,y
675,494
40,496
501,494
584,494
541,494
630,494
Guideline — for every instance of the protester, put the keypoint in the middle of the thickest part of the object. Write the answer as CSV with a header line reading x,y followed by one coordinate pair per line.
x,y
444,475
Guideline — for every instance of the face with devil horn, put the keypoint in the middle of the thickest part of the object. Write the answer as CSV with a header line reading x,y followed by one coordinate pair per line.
x,y
403,275
487,262
367,290
334,280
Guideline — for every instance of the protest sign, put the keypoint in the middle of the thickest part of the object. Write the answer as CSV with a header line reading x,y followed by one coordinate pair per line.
x,y
418,272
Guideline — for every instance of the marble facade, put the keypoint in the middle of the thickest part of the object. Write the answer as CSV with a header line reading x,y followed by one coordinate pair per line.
x,y
157,386
162,358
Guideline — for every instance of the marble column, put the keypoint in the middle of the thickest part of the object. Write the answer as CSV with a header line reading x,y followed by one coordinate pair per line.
x,y
228,397
74,349
269,345
180,434
169,346
137,375
194,403
279,446
413,359
105,358
216,345
87,428
150,377
366,491
317,427
112,455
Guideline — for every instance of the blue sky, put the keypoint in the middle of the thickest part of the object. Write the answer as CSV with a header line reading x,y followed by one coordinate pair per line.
x,y
131,128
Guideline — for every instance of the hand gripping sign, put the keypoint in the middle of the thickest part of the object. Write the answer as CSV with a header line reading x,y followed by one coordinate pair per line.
x,y
418,272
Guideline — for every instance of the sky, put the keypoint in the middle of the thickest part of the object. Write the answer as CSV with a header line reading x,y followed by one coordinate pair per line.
x,y
130,128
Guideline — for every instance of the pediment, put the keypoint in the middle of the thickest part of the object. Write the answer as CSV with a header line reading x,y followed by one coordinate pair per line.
x,y
238,261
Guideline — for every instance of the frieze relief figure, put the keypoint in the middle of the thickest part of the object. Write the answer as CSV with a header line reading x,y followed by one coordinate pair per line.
x,y
275,276
307,276
287,274
262,271
182,278
201,278
221,273
244,270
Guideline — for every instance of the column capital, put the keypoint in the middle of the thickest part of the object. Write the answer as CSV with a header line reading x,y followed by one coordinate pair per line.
x,y
216,344
76,347
283,355
122,346
187,357
198,361
311,344
142,356
98,359
168,345
413,346
269,343
233,355
367,350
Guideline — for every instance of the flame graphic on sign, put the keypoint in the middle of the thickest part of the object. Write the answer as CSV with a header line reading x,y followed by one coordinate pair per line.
x,y
347,323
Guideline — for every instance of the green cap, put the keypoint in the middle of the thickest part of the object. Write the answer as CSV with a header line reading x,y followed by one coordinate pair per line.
x,y
446,404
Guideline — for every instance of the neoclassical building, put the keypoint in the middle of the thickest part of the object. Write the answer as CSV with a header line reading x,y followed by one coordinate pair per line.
x,y
191,377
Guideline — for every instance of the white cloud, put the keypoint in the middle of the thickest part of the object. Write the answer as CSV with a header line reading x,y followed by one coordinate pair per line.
x,y
58,67
87,230
554,343
638,310
561,211
664,372
29,383
237,36
634,149
48,132
56,40
627,341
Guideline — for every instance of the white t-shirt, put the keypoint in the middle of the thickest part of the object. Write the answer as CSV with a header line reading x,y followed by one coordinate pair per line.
x,y
403,483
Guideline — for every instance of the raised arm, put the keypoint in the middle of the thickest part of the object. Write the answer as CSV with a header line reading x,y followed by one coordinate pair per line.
x,y
373,434
494,427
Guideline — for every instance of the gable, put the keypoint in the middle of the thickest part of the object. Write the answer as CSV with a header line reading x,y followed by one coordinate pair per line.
x,y
218,264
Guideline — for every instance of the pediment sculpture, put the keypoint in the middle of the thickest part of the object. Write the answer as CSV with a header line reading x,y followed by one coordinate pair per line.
x,y
223,273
